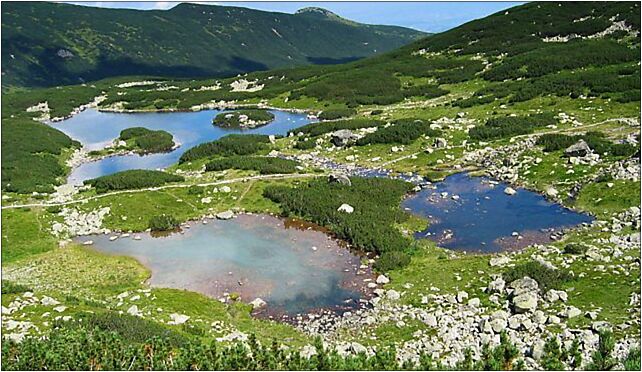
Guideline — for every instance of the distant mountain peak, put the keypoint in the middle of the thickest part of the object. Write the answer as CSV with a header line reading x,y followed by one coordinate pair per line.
x,y
313,10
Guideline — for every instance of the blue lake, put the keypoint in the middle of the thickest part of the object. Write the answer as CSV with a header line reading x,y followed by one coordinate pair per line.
x,y
484,218
95,129
295,270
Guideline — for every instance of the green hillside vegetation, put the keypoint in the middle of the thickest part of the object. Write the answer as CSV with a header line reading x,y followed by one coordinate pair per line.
x,y
30,156
146,141
247,118
261,164
233,144
132,179
47,44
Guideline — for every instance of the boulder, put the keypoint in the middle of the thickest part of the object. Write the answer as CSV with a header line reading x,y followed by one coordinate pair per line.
x,y
382,279
340,178
258,303
227,215
440,143
357,348
499,261
474,302
393,295
430,320
496,285
498,325
48,301
537,350
307,351
343,137
133,310
347,208
580,148
524,285
525,302
572,312
178,318
510,191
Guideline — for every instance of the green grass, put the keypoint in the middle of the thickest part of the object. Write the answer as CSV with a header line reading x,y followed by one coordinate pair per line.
x,y
24,233
601,199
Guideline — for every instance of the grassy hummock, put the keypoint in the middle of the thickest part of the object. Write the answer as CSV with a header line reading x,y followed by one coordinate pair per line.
x,y
246,118
132,179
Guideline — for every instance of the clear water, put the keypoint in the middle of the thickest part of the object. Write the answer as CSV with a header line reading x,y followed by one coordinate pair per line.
x,y
484,218
252,255
94,129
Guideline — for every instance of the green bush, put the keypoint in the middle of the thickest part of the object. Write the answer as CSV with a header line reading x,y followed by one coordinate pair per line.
x,y
337,113
376,210
231,119
602,359
130,328
391,261
10,287
546,278
509,126
264,165
305,143
575,248
403,131
632,360
596,141
54,209
316,129
233,144
163,222
132,179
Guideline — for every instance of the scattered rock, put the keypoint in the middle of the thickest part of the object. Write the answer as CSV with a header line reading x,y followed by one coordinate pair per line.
x,y
258,303
382,279
347,208
226,215
509,191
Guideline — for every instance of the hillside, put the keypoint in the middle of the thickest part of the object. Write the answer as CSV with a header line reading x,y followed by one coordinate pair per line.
x,y
45,44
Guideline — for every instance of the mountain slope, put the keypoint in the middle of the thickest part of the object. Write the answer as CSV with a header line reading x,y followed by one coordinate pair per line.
x,y
46,44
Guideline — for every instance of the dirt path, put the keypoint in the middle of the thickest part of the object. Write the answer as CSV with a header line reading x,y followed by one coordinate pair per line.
x,y
222,182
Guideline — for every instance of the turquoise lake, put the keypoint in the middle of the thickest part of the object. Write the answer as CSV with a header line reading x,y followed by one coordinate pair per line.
x,y
294,270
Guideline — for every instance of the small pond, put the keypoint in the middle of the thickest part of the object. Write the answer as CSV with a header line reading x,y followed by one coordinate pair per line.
x,y
95,129
294,269
481,217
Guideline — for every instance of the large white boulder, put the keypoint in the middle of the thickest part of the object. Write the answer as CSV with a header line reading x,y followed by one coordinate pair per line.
x,y
347,208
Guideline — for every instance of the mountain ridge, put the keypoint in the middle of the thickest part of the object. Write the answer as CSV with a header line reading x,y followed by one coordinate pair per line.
x,y
46,44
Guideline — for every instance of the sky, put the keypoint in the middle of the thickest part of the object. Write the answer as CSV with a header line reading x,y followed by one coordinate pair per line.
x,y
424,16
